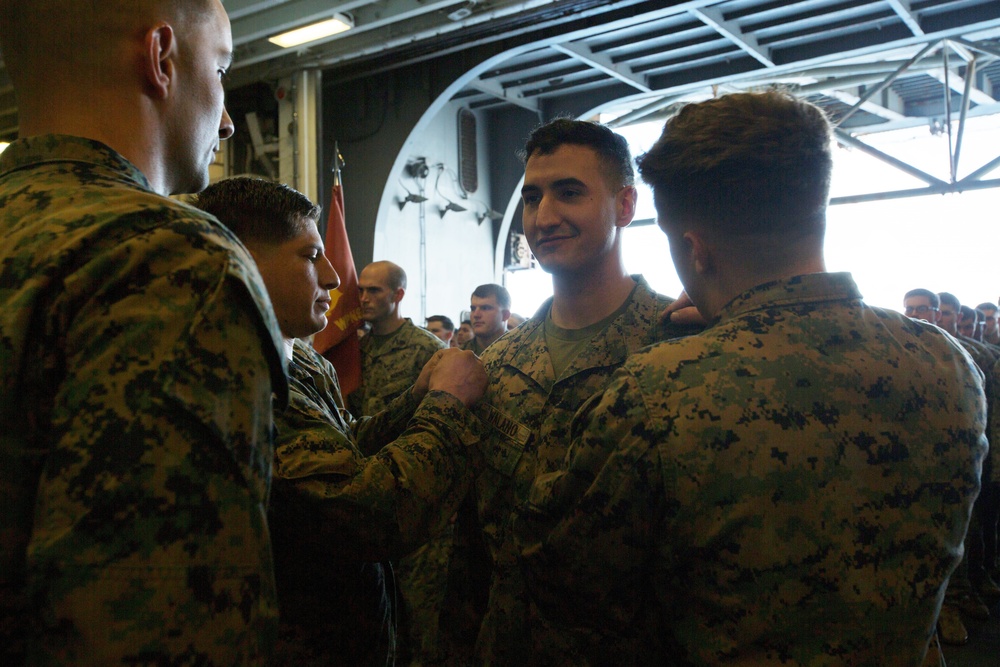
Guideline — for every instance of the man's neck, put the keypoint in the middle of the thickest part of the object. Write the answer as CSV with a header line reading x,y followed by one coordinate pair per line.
x,y
387,326
581,300
485,341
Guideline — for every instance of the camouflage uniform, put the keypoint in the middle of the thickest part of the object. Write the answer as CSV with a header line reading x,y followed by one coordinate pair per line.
x,y
393,368
387,371
474,346
790,487
529,412
335,607
138,356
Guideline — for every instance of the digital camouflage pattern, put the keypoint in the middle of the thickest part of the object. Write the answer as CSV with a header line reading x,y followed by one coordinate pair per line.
x,y
335,512
528,413
790,487
391,369
138,354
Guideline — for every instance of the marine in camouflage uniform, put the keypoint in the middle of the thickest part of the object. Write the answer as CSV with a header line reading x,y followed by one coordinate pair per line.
x,y
336,513
138,354
792,486
388,368
528,410
390,365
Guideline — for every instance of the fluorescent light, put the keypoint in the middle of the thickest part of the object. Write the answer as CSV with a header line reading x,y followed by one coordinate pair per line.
x,y
310,33
3,145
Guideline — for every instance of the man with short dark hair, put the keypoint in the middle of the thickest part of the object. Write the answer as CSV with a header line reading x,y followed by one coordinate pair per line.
x,y
489,308
335,512
140,352
991,326
968,322
741,496
463,334
922,304
442,327
578,196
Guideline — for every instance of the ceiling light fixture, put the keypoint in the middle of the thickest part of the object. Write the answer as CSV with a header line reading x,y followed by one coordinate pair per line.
x,y
310,33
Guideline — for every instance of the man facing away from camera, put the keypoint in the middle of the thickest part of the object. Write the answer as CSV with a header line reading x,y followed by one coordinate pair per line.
x,y
793,484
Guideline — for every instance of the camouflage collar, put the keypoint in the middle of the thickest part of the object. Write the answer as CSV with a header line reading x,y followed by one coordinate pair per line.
x,y
812,288
54,148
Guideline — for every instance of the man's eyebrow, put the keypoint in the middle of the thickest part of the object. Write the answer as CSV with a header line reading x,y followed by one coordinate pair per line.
x,y
560,183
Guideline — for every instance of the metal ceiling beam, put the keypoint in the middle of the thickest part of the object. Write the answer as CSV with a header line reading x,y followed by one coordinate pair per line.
x,y
713,18
868,106
888,80
943,189
603,63
906,15
846,139
958,84
492,88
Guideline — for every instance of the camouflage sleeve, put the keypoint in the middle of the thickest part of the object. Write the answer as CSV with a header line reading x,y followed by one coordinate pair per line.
x,y
150,541
383,506
603,503
375,432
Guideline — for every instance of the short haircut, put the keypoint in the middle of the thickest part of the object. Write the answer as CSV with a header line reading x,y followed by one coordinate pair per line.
x,y
469,322
986,307
611,148
395,276
949,299
78,36
746,163
445,321
969,311
258,210
931,296
498,292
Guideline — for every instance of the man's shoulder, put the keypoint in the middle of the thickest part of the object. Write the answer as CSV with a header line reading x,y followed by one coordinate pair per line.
x,y
515,340
415,335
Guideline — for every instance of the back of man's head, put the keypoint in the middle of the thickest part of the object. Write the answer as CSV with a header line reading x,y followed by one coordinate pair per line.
x,y
746,163
259,211
49,42
498,292
611,148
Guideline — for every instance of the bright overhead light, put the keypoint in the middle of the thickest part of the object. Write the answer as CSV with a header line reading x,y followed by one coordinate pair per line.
x,y
3,145
310,33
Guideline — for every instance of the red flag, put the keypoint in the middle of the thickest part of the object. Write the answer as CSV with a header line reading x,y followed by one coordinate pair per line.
x,y
339,341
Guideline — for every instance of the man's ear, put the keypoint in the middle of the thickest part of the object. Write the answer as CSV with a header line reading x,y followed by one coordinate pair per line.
x,y
159,52
505,314
625,205
699,252
397,295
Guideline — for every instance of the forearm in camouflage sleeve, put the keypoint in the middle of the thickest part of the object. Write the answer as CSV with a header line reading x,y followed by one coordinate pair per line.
x,y
373,433
383,506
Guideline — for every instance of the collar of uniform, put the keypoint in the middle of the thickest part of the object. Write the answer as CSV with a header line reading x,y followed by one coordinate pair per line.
x,y
812,288
56,148
522,347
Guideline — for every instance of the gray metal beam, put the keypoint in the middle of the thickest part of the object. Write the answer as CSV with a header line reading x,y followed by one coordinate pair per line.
x,y
846,139
603,63
712,17
905,13
496,90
